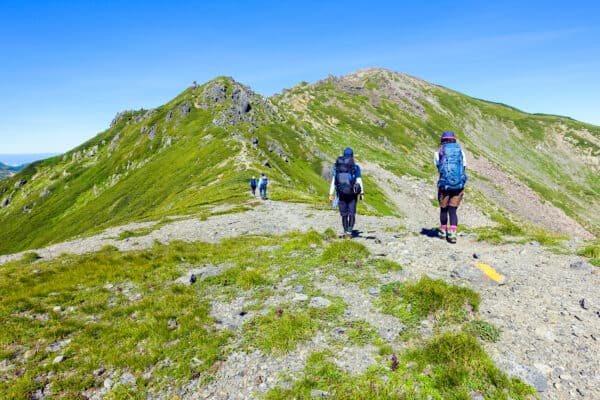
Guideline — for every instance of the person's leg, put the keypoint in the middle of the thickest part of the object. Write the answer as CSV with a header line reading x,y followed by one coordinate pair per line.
x,y
343,206
453,223
443,199
453,217
455,199
351,214
444,217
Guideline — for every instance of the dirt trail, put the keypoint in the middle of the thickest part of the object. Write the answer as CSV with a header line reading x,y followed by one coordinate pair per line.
x,y
547,338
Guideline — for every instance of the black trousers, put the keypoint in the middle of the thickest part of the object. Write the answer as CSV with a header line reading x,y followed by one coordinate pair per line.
x,y
347,206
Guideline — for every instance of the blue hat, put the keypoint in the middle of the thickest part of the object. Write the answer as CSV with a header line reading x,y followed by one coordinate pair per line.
x,y
448,135
348,151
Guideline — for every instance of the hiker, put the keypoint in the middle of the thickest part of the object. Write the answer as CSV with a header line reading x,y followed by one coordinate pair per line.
x,y
451,164
253,184
347,183
262,186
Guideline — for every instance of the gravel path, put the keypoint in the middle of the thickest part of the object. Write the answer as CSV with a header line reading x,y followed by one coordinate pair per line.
x,y
550,337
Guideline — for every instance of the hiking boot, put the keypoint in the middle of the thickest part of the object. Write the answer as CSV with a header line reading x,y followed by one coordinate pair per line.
x,y
442,234
348,234
452,236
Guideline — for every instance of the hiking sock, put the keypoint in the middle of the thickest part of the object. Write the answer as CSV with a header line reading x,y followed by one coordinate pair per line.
x,y
444,216
453,217
443,231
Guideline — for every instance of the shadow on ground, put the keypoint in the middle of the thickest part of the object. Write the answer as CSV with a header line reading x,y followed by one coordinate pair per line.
x,y
429,232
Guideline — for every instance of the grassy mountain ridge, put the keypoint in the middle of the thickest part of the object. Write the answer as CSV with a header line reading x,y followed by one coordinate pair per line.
x,y
555,157
197,151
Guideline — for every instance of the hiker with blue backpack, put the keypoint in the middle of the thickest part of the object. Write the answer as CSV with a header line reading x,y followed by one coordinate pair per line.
x,y
347,183
451,164
253,185
262,186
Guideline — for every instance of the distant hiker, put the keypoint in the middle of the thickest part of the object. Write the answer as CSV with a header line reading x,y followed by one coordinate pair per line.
x,y
451,164
347,183
262,186
253,184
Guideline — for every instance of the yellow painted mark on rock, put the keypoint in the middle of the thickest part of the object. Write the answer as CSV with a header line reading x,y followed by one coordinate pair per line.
x,y
490,272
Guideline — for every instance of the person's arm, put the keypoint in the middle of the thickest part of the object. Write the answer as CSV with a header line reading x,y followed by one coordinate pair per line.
x,y
464,159
360,182
436,159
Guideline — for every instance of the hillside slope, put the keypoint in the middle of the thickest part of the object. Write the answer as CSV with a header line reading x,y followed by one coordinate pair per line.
x,y
201,148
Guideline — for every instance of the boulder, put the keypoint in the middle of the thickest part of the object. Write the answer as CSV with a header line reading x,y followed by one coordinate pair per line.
x,y
117,118
114,141
319,302
93,151
185,108
152,132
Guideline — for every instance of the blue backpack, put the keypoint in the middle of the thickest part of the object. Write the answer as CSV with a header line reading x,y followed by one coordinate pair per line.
x,y
451,167
345,176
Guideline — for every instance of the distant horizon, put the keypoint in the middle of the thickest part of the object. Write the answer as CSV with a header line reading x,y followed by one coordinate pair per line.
x,y
16,159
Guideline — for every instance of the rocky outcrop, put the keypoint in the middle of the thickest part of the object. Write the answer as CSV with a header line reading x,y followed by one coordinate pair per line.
x,y
114,142
240,98
152,132
215,92
275,147
142,117
184,108
45,192
117,118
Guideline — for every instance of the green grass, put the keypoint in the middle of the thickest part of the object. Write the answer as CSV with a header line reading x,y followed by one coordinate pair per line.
x,y
450,366
361,333
345,251
383,265
483,330
508,231
591,251
283,328
30,257
411,303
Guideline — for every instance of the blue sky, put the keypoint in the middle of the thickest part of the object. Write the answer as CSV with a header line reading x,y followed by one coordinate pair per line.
x,y
67,67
